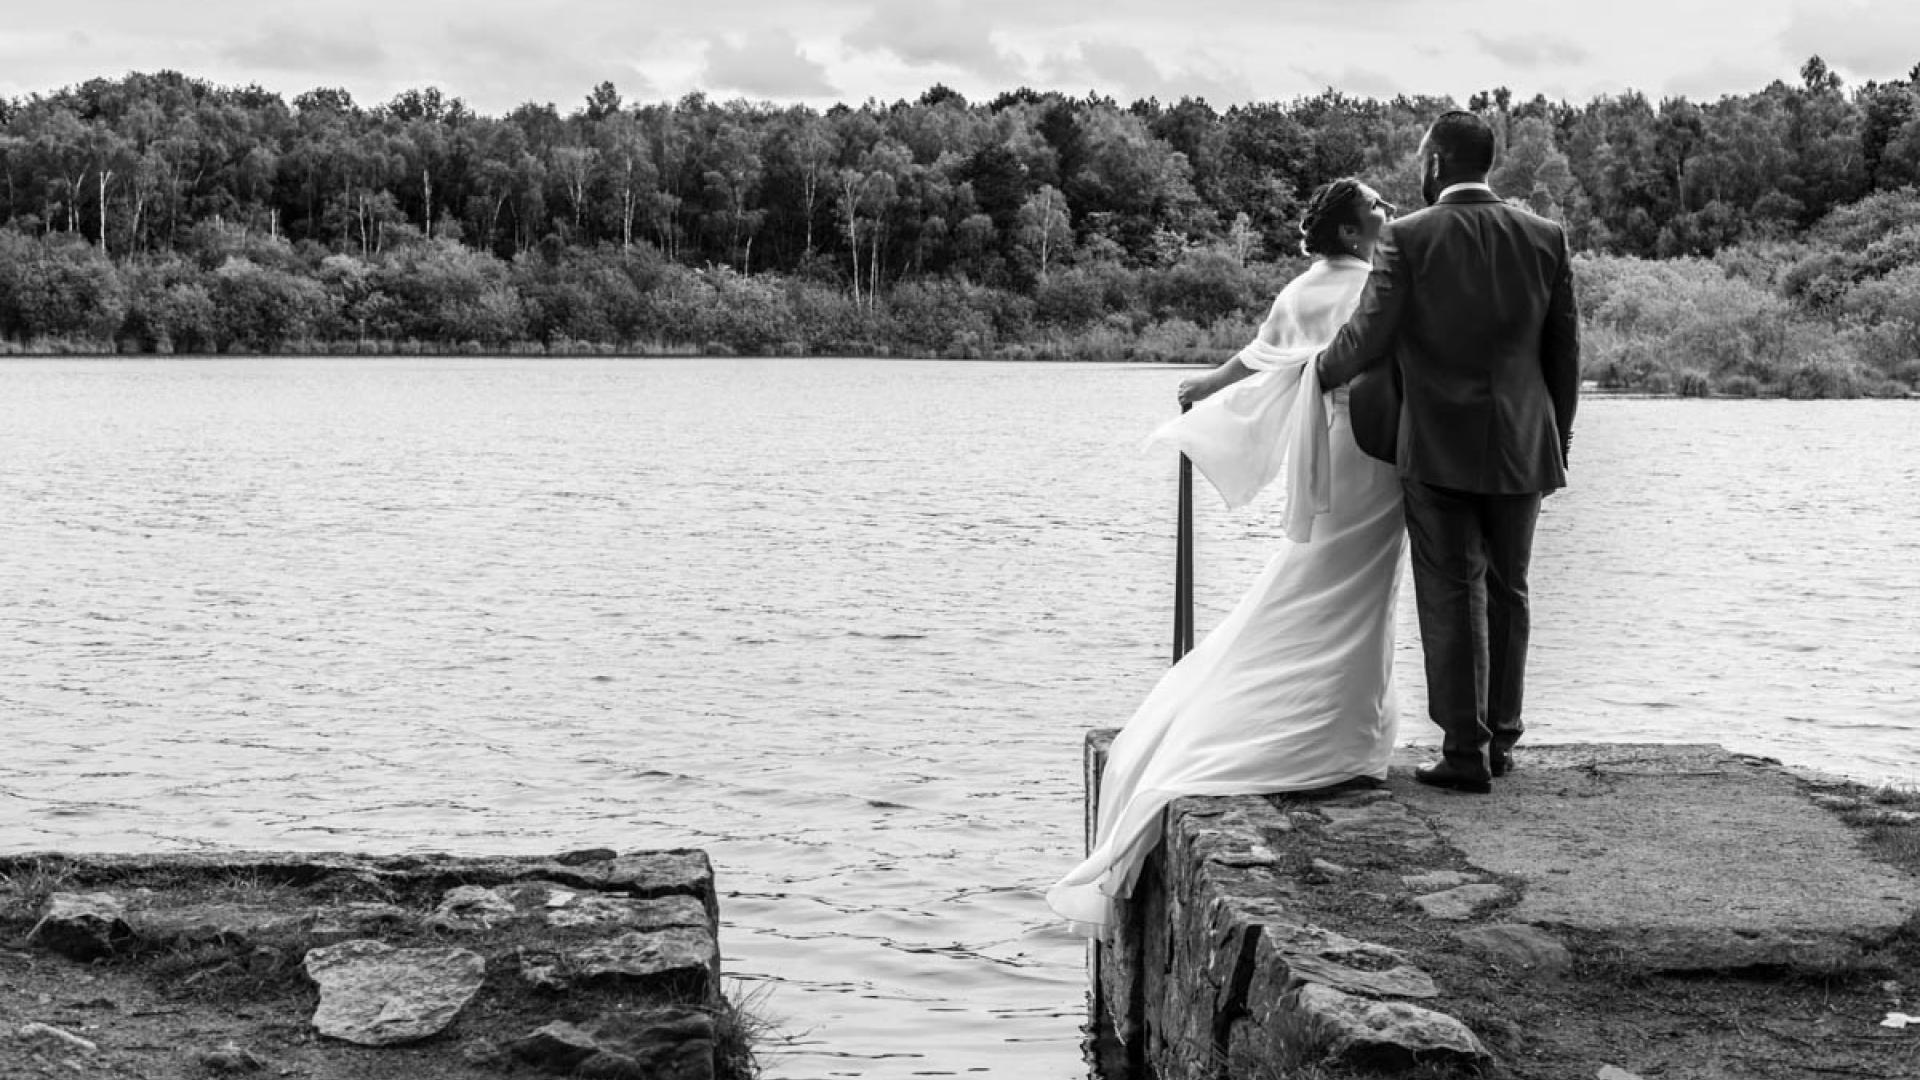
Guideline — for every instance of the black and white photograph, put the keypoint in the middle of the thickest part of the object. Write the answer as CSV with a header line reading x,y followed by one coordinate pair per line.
x,y
1036,541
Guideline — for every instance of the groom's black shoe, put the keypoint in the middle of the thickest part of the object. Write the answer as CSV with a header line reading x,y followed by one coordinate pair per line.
x,y
1445,774
1502,764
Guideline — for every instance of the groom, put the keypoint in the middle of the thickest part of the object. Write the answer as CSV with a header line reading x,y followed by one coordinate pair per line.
x,y
1472,300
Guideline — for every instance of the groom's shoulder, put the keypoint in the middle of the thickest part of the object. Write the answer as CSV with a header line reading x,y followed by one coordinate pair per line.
x,y
1414,223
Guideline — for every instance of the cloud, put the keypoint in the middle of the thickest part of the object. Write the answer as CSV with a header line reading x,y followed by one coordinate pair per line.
x,y
1359,82
935,34
1126,71
281,47
1722,77
549,70
766,62
1869,39
1530,52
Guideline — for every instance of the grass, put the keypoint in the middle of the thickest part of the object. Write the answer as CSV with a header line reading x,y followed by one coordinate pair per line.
x,y
741,1024
1885,816
25,888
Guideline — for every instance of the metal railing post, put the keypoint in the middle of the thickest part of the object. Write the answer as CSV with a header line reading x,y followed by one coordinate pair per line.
x,y
1183,562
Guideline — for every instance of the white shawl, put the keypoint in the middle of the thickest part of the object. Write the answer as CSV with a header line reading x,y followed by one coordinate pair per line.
x,y
1276,421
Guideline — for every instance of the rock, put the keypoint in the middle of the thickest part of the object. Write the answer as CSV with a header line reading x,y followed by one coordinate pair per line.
x,y
1461,903
232,1058
566,909
1358,797
1608,1072
56,1037
1512,945
210,924
486,1053
644,874
659,1044
1440,879
1331,869
358,919
618,911
1252,855
84,926
1385,1035
1322,956
1384,822
679,957
542,970
376,995
472,907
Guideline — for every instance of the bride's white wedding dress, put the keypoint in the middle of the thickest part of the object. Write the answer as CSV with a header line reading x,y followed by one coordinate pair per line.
x,y
1294,689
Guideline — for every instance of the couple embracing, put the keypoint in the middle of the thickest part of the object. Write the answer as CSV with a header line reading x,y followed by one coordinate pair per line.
x,y
1457,330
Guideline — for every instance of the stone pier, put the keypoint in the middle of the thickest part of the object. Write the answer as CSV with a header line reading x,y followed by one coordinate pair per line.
x,y
1664,890
585,963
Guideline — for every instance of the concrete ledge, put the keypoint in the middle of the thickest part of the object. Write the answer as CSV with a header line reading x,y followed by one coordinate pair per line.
x,y
1351,928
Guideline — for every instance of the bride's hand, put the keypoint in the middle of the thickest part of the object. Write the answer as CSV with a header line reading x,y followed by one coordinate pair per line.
x,y
1195,389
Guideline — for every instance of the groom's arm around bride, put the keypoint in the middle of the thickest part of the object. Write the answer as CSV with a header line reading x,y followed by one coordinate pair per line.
x,y
1472,300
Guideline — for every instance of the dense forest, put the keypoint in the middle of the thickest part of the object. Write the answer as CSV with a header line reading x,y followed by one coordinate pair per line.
x,y
1766,243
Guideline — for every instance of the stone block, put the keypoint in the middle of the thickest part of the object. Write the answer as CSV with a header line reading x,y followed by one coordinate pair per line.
x,y
1520,948
1311,954
376,995
1462,902
1383,822
656,1044
1440,879
217,924
681,958
84,926
1381,1035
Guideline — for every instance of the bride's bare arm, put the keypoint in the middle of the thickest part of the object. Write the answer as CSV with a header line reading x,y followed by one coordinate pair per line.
x,y
1201,387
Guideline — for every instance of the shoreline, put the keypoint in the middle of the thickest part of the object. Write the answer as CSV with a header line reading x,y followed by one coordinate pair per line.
x,y
416,351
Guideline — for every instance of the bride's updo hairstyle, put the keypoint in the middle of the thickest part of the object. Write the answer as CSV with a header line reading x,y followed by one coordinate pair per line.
x,y
1333,204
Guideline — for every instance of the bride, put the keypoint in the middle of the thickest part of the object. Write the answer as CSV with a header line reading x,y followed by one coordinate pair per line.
x,y
1294,689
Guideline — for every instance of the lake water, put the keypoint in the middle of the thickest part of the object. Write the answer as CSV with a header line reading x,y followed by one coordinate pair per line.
x,y
840,623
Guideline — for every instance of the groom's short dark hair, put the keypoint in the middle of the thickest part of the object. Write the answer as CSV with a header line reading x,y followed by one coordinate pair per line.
x,y
1464,140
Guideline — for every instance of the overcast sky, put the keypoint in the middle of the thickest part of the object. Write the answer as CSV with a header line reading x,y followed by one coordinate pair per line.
x,y
499,53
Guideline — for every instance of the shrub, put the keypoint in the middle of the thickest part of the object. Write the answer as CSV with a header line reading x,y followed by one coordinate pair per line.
x,y
58,286
1824,377
1650,324
257,307
949,317
749,314
1069,299
445,291
826,320
1203,287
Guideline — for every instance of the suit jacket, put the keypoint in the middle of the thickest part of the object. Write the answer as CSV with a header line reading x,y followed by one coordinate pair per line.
x,y
1473,299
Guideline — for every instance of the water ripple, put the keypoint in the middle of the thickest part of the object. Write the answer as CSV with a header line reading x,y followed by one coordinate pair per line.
x,y
841,623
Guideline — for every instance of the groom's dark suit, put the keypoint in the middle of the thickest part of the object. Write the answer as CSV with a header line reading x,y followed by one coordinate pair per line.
x,y
1472,299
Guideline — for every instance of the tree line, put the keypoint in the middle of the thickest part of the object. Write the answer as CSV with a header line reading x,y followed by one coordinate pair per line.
x,y
160,212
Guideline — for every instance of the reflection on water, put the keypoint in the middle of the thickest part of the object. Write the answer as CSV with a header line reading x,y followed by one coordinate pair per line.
x,y
840,623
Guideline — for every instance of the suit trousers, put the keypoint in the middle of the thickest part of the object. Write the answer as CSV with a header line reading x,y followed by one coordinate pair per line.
x,y
1470,555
